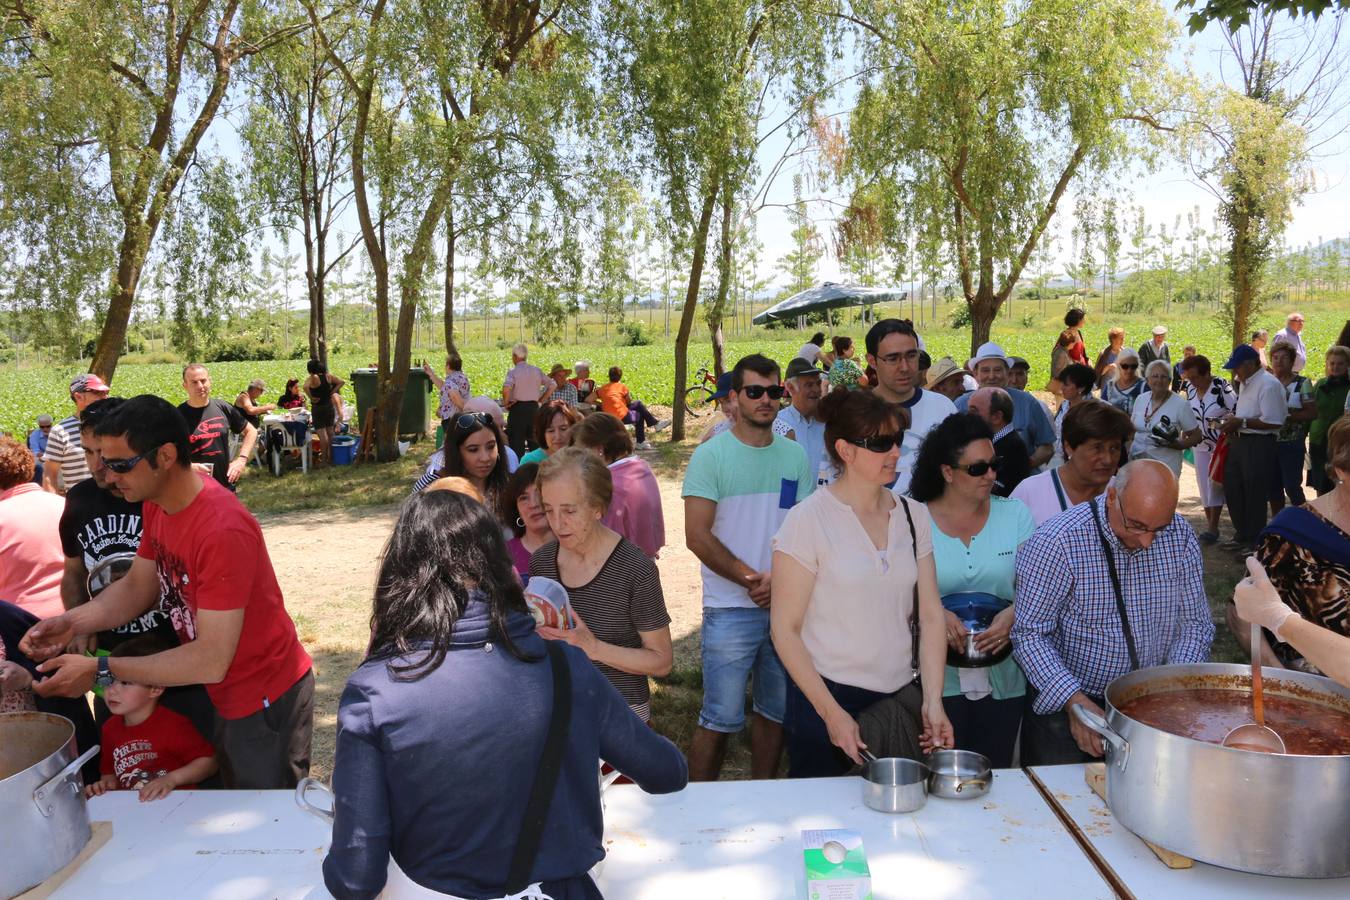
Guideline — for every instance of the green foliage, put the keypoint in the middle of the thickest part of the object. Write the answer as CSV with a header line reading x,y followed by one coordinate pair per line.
x,y
634,334
1236,13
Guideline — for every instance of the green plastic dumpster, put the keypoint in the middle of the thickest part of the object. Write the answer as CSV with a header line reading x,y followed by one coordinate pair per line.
x,y
416,409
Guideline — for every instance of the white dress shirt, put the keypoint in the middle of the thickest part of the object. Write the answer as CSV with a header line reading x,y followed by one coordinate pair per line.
x,y
1262,397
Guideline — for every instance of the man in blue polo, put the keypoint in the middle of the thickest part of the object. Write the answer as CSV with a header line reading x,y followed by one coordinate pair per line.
x,y
1029,417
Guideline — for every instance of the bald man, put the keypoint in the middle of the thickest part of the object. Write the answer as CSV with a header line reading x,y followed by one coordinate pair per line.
x,y
1106,587
995,406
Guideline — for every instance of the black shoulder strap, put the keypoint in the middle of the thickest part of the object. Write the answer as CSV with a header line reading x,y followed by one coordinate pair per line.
x,y
1059,491
914,610
546,776
1115,586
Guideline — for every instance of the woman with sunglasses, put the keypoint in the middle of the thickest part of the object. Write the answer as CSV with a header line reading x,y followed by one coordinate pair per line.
x,y
975,541
849,563
473,450
1126,386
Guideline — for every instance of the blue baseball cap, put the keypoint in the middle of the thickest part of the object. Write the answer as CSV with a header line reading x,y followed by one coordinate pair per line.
x,y
1242,353
723,386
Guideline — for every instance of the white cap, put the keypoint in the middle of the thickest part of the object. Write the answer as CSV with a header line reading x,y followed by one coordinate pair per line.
x,y
990,350
1160,329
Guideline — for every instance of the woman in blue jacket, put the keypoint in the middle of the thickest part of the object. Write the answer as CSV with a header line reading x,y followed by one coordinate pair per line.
x,y
441,729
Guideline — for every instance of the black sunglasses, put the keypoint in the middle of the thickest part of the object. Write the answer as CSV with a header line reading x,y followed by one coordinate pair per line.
x,y
122,466
1129,365
977,469
473,421
755,391
879,443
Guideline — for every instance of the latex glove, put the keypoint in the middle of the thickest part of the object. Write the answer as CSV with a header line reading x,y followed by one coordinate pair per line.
x,y
1257,600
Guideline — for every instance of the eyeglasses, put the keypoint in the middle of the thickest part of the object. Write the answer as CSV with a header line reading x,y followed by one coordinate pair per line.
x,y
755,391
472,421
45,427
1129,365
981,468
1136,527
879,443
122,466
892,359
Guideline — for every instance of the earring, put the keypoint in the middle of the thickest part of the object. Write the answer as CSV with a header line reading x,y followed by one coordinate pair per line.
x,y
520,523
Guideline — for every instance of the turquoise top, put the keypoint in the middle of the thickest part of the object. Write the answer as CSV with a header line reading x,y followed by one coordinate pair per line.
x,y
986,566
537,455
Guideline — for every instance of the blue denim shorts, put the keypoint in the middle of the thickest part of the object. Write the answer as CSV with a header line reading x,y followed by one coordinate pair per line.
x,y
736,642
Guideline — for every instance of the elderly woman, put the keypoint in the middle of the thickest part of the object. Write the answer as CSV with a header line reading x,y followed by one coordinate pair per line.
x,y
1110,353
473,450
1330,397
622,623
1211,399
975,541
1258,342
1306,552
454,388
1094,436
635,510
1164,425
441,728
1291,440
552,430
31,558
524,515
850,563
1126,386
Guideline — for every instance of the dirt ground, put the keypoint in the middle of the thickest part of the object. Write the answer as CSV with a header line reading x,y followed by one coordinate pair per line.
x,y
326,563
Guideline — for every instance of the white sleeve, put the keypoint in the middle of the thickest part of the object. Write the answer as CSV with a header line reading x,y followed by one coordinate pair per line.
x,y
1274,407
1187,417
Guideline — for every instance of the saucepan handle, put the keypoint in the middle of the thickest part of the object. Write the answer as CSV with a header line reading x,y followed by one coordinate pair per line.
x,y
302,800
44,795
1118,749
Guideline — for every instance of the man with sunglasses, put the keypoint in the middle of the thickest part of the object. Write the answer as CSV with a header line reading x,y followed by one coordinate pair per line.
x,y
202,559
737,490
995,407
1106,587
1030,420
893,352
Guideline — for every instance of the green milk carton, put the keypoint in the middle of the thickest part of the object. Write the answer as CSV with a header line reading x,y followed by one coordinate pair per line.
x,y
836,867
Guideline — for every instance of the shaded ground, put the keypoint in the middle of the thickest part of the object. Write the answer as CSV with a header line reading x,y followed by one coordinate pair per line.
x,y
326,559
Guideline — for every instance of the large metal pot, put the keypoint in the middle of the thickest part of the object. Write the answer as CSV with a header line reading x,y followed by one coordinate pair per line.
x,y
46,824
1255,812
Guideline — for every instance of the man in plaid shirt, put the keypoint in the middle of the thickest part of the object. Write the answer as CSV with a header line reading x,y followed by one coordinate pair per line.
x,y
1068,636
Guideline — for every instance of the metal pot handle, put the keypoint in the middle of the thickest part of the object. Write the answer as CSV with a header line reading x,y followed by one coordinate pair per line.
x,y
302,801
973,782
45,796
1118,753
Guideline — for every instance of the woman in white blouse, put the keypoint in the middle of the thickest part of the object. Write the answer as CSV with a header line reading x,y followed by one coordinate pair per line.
x,y
1164,425
849,563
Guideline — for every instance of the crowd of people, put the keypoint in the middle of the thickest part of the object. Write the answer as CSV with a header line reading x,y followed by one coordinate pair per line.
x,y
895,557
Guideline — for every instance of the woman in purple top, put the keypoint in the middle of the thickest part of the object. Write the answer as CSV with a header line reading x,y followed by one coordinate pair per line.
x,y
524,515
635,509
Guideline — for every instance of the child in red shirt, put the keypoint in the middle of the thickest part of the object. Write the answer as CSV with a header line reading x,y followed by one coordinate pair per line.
x,y
147,747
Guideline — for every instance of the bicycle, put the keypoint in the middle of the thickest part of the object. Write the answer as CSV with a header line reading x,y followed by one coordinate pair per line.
x,y
698,396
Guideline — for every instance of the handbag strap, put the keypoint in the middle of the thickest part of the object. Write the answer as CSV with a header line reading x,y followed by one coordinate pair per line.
x,y
1059,491
1115,586
546,776
914,608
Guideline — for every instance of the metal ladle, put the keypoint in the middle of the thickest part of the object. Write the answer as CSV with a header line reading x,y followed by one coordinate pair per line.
x,y
1257,737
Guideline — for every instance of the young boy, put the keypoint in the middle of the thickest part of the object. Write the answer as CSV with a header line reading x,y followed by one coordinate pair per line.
x,y
148,747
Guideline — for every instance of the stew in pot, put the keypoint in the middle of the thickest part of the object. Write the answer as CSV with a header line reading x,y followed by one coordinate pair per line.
x,y
1208,714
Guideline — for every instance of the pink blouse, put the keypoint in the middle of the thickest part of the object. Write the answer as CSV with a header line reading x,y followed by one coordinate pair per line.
x,y
635,511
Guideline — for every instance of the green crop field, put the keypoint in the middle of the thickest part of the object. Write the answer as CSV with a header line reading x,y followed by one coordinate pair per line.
x,y
649,370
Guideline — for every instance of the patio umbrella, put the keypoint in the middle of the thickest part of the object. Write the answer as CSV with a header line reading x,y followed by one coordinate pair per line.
x,y
827,296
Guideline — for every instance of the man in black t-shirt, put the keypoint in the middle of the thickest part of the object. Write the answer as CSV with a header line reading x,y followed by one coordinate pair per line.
x,y
210,423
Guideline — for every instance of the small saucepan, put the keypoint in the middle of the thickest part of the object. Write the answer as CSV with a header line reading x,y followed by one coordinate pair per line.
x,y
959,774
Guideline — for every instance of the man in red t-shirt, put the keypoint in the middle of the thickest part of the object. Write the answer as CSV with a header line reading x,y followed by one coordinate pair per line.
x,y
203,560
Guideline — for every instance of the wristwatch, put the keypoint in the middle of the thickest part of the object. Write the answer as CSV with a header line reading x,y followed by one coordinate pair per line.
x,y
104,677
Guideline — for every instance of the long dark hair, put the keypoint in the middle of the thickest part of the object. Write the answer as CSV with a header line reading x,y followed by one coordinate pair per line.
x,y
454,464
943,447
443,546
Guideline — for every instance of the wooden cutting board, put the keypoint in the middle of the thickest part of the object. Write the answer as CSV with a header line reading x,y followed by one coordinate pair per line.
x,y
1095,776
102,833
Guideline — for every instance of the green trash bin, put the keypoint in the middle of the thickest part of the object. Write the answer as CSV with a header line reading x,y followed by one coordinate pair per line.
x,y
416,410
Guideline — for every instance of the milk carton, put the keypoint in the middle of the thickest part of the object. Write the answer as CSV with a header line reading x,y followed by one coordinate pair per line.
x,y
836,867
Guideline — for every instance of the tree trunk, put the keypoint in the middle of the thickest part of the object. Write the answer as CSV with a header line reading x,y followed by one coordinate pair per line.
x,y
450,278
130,260
1243,282
687,316
717,313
